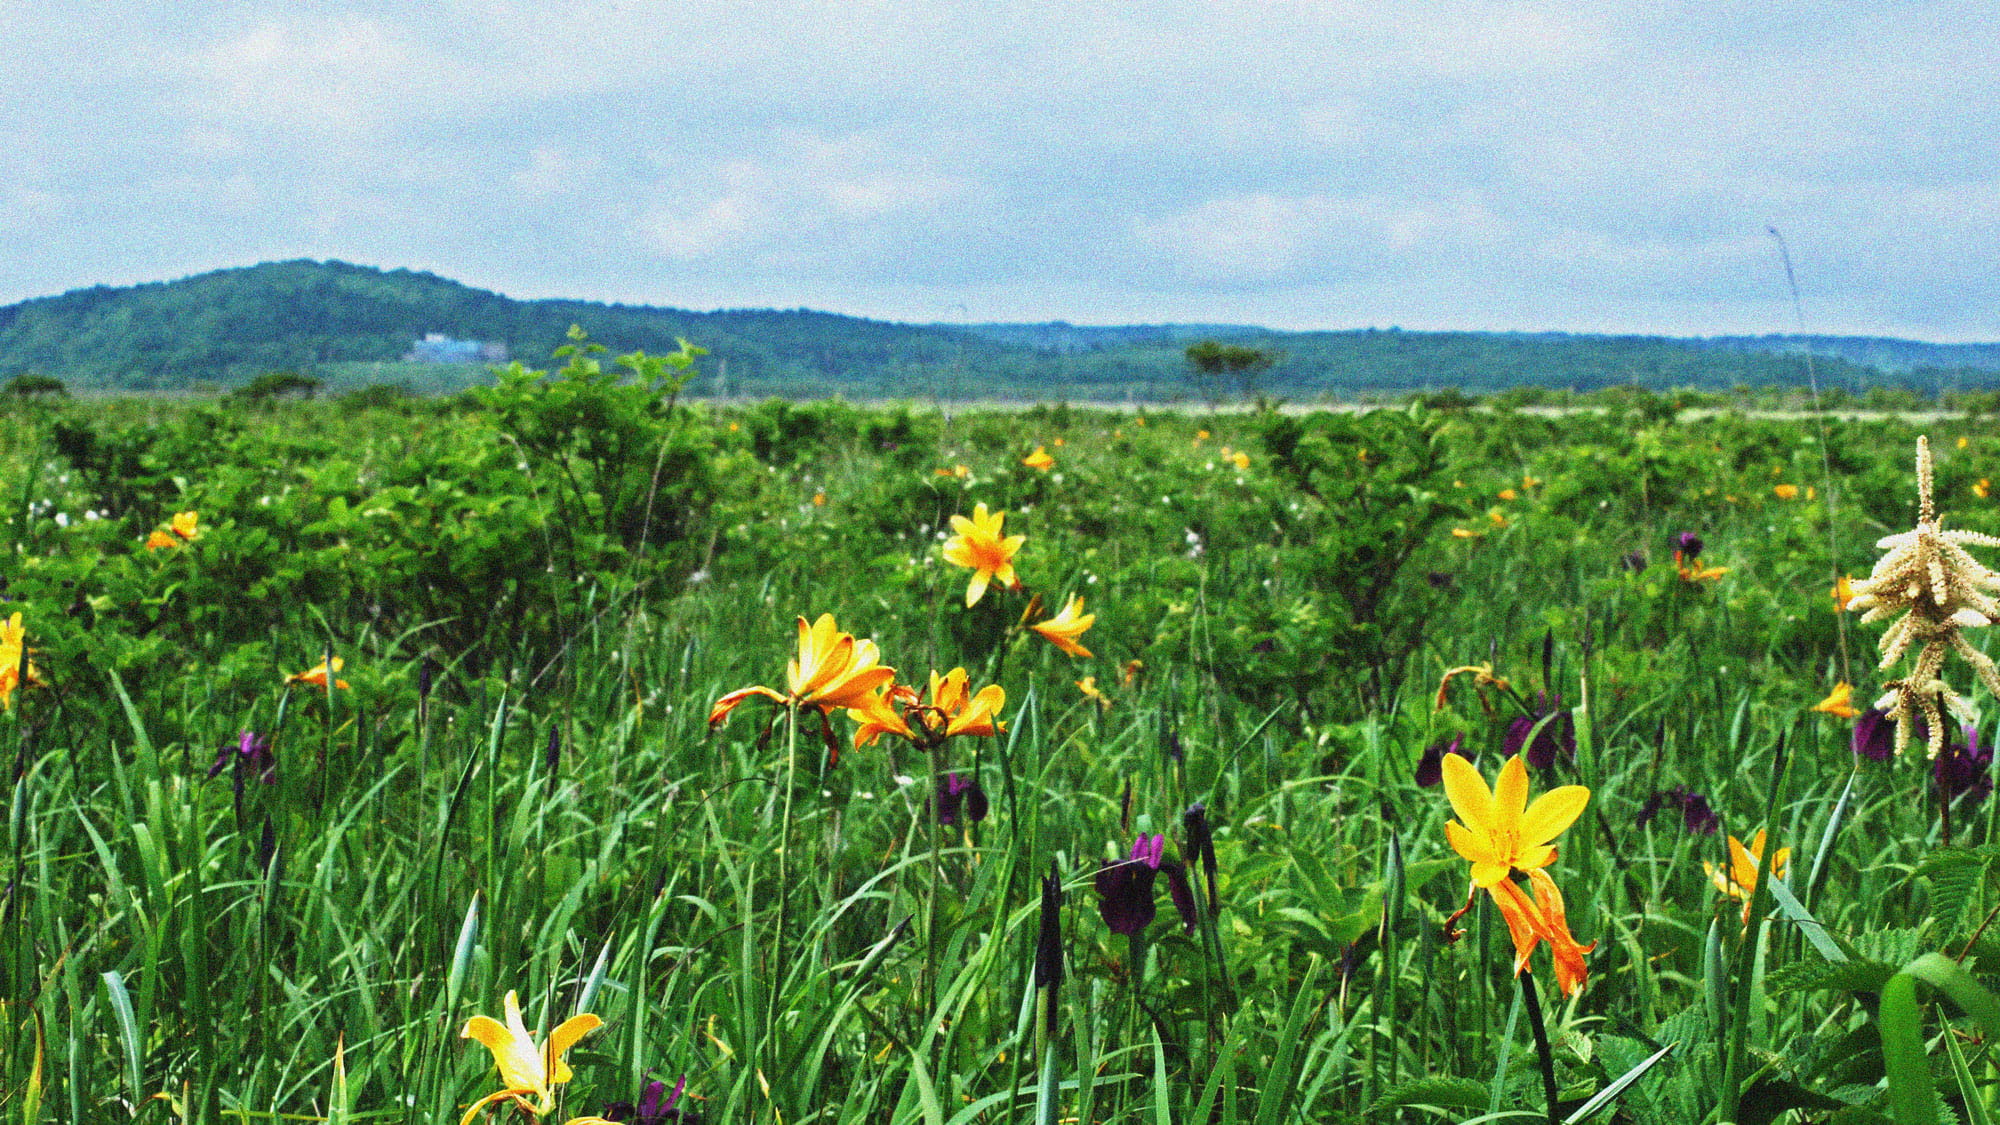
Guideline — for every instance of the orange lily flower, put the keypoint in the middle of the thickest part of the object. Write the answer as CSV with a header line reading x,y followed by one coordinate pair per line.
x,y
1691,570
1839,702
1039,459
1064,628
317,674
1502,832
185,526
980,546
1785,491
1530,921
527,1070
831,670
1843,592
953,710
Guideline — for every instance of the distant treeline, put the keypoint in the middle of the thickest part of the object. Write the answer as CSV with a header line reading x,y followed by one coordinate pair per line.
x,y
354,325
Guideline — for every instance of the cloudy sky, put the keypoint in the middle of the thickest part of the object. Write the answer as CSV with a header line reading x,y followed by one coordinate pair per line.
x,y
1612,166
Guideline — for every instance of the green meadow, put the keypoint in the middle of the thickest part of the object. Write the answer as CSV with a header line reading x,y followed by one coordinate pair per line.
x,y
331,725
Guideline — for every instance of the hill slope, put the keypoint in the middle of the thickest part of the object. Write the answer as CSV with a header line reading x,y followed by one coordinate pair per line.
x,y
355,323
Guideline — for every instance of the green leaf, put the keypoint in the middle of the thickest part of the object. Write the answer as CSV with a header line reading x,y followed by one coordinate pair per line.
x,y
1435,1093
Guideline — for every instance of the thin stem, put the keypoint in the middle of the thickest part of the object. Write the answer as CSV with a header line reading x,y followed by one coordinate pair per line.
x,y
1533,1003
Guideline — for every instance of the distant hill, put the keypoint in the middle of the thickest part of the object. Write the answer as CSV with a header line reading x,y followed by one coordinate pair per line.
x,y
1881,352
355,324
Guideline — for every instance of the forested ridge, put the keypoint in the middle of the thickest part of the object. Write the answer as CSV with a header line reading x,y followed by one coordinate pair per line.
x,y
354,325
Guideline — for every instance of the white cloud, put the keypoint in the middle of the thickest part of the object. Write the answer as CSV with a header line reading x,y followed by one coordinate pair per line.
x,y
1294,161
1266,237
830,199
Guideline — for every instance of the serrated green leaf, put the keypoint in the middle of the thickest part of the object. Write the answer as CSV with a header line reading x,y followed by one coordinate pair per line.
x,y
1441,1093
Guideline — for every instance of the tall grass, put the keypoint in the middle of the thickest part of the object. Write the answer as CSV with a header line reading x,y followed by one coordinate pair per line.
x,y
804,942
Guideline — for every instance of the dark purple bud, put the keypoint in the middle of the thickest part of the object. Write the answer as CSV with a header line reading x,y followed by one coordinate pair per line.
x,y
1125,807
956,794
424,673
1182,893
267,846
1439,580
1543,741
1201,845
1635,561
1048,943
1963,769
552,757
1688,544
1430,767
1173,744
1874,736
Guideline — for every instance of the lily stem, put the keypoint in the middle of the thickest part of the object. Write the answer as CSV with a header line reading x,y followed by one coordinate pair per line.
x,y
1533,1003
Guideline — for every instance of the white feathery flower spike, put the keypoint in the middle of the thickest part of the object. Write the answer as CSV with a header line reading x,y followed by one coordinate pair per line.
x,y
1927,576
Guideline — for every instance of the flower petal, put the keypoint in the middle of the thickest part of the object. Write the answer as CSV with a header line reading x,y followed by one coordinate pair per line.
x,y
1469,797
1510,794
1552,812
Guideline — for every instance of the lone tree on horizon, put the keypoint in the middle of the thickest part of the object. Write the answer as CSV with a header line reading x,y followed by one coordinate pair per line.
x,y
1211,360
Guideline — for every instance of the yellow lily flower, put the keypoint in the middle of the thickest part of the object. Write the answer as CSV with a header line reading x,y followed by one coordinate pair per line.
x,y
1530,921
1785,491
527,1070
1501,832
1241,460
980,546
1064,628
1088,686
953,710
831,670
317,674
1740,880
1840,701
1039,459
15,671
1843,592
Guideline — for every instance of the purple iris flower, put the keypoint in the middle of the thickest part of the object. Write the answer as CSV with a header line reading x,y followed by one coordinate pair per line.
x,y
1125,887
1555,739
1430,767
1688,544
956,794
250,751
1874,736
656,1107
1963,768
1696,813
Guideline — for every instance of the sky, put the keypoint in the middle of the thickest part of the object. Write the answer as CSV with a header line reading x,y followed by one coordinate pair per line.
x,y
1468,164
